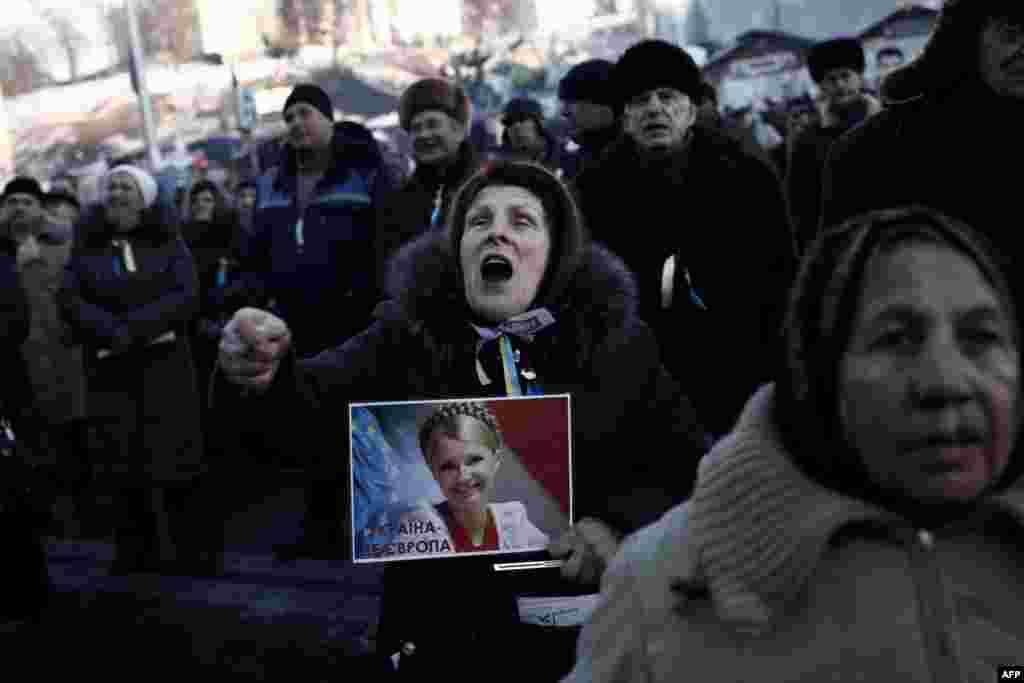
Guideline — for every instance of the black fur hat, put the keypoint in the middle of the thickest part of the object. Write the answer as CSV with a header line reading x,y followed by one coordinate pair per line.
x,y
840,53
652,64
433,93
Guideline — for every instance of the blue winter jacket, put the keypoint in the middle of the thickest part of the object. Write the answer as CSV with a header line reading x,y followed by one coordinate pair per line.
x,y
321,276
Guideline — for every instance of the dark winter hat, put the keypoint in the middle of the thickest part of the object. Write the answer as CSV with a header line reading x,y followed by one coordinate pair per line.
x,y
568,237
589,81
433,93
840,53
653,64
822,308
943,67
23,185
312,95
522,109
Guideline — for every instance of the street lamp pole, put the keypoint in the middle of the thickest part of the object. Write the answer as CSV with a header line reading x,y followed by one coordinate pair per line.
x,y
139,82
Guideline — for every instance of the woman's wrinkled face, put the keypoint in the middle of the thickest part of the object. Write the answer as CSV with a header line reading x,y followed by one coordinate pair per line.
x,y
929,383
464,470
203,205
504,252
124,199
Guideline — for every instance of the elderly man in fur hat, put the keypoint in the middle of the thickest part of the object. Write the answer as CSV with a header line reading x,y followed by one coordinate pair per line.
x,y
837,67
951,125
436,114
701,223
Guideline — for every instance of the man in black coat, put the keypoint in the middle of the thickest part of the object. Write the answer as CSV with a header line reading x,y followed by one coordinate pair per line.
x,y
21,523
702,224
950,130
837,66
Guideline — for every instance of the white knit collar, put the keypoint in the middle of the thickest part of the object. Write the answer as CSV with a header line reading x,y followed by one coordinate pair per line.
x,y
758,526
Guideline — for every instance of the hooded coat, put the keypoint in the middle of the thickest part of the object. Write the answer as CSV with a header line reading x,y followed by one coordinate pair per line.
x,y
717,313
806,584
143,393
421,347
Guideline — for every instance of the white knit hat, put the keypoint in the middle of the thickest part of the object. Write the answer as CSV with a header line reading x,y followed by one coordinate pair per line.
x,y
146,182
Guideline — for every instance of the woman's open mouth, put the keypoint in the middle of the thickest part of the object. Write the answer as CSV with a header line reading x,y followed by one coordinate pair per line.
x,y
496,269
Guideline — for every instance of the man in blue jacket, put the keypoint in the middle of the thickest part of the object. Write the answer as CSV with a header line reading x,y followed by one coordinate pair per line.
x,y
311,253
312,235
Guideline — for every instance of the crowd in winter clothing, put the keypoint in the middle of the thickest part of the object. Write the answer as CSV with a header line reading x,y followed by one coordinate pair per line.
x,y
792,357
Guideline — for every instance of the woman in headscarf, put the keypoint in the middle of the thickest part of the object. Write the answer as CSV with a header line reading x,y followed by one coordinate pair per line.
x,y
128,296
863,521
510,299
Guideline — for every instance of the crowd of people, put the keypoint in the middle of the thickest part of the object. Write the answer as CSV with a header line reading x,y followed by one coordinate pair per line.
x,y
793,362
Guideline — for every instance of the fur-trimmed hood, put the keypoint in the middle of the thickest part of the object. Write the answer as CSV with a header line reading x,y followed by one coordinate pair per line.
x,y
421,286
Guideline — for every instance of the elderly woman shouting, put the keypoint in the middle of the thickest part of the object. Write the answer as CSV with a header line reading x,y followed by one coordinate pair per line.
x,y
129,293
864,520
511,299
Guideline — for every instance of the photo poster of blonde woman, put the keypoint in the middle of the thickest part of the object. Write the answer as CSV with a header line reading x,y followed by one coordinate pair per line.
x,y
460,477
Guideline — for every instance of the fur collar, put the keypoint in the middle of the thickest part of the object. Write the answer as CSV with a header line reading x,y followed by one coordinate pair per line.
x,y
421,286
757,526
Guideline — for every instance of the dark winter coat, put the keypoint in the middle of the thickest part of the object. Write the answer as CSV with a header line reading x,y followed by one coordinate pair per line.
x,y
15,323
323,286
950,154
721,213
805,168
406,213
145,393
587,151
421,347
216,249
